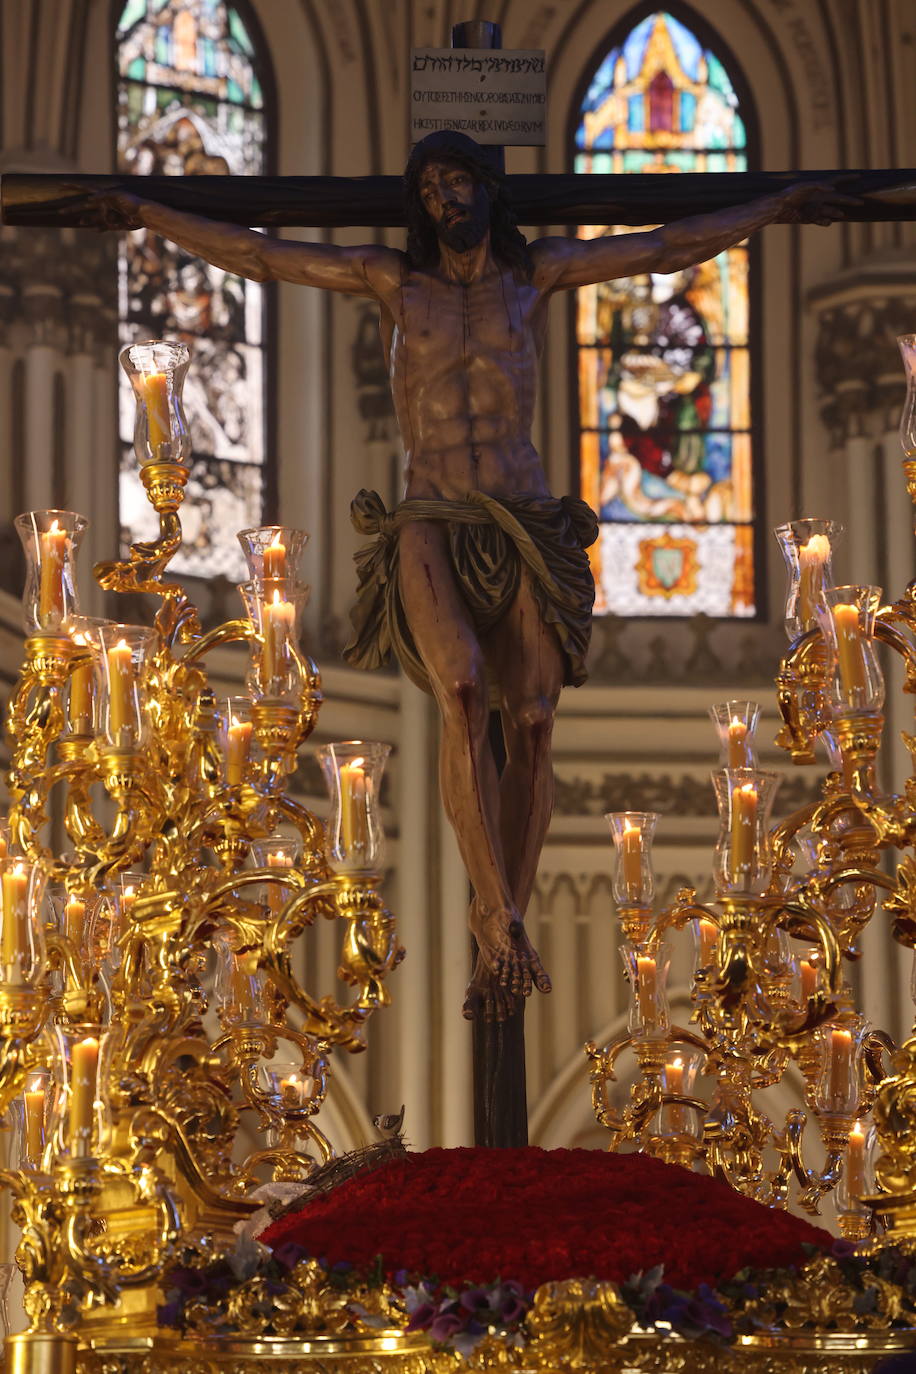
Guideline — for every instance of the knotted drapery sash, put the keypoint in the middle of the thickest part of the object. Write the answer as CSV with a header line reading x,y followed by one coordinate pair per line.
x,y
491,540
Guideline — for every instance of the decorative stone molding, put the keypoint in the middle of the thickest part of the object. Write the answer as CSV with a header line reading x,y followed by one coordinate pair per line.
x,y
860,314
687,795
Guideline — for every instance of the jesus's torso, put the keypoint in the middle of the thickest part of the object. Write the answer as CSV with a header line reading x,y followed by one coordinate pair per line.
x,y
462,362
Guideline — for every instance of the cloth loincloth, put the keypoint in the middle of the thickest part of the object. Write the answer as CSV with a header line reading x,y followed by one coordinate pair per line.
x,y
491,540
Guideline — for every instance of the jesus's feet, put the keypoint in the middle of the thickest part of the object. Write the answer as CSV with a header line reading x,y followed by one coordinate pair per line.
x,y
507,965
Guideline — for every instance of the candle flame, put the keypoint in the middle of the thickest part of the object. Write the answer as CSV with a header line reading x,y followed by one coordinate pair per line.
x,y
122,644
276,598
36,1085
234,723
857,1131
748,789
130,891
677,1063
735,721
19,868
817,547
55,527
277,542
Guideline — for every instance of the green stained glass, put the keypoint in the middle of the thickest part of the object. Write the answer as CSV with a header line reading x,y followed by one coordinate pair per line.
x,y
664,364
132,11
189,114
239,33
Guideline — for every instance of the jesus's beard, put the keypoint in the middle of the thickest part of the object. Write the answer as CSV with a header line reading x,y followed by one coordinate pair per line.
x,y
465,233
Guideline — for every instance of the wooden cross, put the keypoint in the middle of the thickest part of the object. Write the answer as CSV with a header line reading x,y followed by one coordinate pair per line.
x,y
55,201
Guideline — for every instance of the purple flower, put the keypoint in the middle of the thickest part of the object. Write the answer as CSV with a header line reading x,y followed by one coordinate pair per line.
x,y
170,1313
289,1254
444,1327
191,1283
474,1298
422,1316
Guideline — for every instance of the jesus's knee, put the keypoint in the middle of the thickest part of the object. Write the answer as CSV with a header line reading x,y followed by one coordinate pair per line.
x,y
463,697
531,721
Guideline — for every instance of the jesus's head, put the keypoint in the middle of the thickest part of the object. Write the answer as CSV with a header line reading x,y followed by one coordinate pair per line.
x,y
454,196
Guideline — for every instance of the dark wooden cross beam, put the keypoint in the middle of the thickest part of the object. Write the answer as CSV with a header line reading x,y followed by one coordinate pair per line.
x,y
52,200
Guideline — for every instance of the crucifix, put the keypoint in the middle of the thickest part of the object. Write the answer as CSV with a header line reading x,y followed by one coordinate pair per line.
x,y
463,314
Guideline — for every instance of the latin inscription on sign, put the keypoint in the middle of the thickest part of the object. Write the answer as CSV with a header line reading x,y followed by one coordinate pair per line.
x,y
492,95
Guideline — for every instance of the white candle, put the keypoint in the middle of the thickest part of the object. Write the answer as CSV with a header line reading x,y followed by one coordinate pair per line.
x,y
84,1065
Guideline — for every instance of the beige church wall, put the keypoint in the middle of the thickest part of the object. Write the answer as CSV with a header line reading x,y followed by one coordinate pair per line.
x,y
829,85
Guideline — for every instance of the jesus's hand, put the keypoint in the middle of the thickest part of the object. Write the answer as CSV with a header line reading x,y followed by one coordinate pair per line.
x,y
814,202
110,208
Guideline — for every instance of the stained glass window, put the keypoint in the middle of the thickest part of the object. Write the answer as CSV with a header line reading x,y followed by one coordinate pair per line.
x,y
664,362
191,102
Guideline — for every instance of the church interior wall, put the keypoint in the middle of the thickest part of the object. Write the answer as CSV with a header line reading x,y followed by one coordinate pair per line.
x,y
828,81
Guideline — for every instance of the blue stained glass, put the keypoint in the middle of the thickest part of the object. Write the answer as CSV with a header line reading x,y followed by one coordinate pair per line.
x,y
163,45
686,46
664,368
634,48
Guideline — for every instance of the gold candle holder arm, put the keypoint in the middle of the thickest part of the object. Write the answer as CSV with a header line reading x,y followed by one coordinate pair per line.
x,y
800,694
230,632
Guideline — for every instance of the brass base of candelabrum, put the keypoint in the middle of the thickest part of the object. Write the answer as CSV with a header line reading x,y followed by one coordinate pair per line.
x,y
571,1346
41,1352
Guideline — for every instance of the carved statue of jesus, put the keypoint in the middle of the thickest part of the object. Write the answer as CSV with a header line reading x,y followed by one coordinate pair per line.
x,y
479,577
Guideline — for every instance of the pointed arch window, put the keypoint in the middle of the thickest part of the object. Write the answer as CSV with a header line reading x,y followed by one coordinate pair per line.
x,y
664,362
192,80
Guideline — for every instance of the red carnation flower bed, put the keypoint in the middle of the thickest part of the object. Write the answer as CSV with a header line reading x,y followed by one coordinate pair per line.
x,y
472,1215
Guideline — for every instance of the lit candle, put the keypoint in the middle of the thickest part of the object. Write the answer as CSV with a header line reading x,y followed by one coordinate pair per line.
x,y
743,830
156,392
855,1162
708,935
120,686
74,918
84,1065
296,1090
128,897
811,559
279,618
14,937
53,552
738,750
238,741
34,1098
849,651
674,1084
354,796
840,1050
808,972
631,861
646,988
82,693
3,841
275,558
276,895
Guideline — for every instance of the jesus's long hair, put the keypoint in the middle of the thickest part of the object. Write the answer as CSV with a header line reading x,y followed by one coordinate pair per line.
x,y
510,247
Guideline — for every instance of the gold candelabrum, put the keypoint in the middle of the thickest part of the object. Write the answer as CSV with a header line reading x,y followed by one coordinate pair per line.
x,y
149,1003
791,901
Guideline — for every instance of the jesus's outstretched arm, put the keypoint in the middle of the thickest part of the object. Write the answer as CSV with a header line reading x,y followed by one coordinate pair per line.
x,y
563,264
366,270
